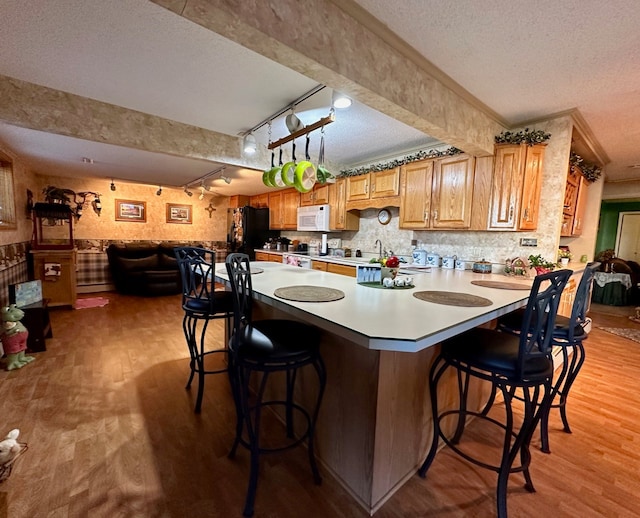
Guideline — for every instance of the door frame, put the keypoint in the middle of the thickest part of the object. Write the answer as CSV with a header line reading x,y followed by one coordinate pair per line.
x,y
621,216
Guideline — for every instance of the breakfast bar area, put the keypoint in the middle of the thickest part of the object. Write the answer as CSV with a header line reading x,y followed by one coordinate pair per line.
x,y
375,424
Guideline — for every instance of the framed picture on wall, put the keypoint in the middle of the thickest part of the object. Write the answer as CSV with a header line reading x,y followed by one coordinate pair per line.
x,y
129,210
178,213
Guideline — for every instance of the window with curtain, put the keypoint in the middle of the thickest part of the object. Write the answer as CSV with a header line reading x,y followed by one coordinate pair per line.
x,y
7,200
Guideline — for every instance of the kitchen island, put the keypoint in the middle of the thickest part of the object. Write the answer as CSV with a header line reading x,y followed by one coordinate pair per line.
x,y
378,346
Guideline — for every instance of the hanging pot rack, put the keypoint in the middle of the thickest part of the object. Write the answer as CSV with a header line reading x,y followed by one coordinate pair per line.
x,y
304,131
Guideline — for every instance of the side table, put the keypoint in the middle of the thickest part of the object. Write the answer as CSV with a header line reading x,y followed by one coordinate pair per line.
x,y
36,320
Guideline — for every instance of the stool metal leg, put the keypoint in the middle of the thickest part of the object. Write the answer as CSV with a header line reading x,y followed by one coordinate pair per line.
x,y
434,376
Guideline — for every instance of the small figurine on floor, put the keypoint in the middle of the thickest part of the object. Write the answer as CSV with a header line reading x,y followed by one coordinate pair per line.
x,y
14,337
10,450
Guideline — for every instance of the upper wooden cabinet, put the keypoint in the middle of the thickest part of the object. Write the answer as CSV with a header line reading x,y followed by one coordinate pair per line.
x,y
575,198
238,201
373,190
416,179
339,218
532,183
437,194
515,192
260,201
319,195
283,209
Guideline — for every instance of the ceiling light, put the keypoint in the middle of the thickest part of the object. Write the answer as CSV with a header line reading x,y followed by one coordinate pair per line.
x,y
339,100
187,192
112,186
159,191
87,160
249,144
201,197
226,179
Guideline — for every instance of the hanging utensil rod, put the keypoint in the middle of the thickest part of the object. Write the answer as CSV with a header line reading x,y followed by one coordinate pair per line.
x,y
304,131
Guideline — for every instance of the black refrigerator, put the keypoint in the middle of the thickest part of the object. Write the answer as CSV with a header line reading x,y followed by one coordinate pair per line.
x,y
248,230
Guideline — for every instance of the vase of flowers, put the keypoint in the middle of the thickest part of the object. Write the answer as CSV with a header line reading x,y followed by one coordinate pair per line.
x,y
540,264
563,257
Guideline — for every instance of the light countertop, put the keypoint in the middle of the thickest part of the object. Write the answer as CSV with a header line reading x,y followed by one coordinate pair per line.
x,y
387,319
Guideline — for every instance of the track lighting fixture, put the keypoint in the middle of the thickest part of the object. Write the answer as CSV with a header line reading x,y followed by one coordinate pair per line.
x,y
159,191
339,100
112,186
226,179
187,191
249,144
202,189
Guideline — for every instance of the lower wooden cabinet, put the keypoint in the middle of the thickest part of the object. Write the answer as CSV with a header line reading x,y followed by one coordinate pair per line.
x,y
319,265
57,271
341,269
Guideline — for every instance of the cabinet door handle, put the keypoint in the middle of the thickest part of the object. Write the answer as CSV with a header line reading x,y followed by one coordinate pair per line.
x,y
435,215
373,187
511,212
525,216
366,188
426,215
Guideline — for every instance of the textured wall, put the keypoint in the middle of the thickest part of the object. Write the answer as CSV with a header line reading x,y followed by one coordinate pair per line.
x,y
92,226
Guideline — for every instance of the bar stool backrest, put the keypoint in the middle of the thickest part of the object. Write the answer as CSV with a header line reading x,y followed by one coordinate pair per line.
x,y
239,273
196,271
540,317
581,301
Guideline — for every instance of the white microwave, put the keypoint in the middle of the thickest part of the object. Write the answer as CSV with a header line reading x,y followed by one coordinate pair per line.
x,y
313,218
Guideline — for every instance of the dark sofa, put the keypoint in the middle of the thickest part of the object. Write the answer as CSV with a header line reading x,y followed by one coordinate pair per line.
x,y
139,269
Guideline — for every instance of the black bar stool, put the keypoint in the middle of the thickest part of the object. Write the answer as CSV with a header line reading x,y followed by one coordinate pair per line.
x,y
508,362
568,334
201,303
265,347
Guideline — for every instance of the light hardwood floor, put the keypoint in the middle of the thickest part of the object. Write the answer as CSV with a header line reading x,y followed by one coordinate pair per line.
x,y
111,432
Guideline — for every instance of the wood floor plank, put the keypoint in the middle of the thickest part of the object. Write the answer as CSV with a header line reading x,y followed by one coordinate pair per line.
x,y
112,432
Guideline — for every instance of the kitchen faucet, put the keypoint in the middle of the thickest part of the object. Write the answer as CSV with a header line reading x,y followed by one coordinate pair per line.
x,y
379,243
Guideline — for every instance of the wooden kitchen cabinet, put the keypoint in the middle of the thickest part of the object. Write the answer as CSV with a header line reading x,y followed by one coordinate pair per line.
x,y
321,266
452,192
437,194
57,271
238,201
416,180
339,218
260,201
283,209
531,186
341,269
374,190
515,193
266,256
319,195
574,203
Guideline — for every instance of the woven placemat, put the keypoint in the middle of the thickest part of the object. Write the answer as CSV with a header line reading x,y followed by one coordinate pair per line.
x,y
254,271
452,298
309,293
502,285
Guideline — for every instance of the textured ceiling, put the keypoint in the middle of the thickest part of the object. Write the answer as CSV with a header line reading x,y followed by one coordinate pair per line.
x,y
522,60
528,60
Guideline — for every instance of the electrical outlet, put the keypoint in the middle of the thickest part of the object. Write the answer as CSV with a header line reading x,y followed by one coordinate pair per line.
x,y
528,241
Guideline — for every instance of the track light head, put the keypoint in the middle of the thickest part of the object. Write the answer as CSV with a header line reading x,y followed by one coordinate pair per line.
x,y
249,144
226,179
159,191
112,186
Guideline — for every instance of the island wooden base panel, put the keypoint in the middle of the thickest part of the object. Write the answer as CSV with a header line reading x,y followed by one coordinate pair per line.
x,y
111,432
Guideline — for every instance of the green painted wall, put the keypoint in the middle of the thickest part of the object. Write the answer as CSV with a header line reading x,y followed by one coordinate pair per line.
x,y
608,228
